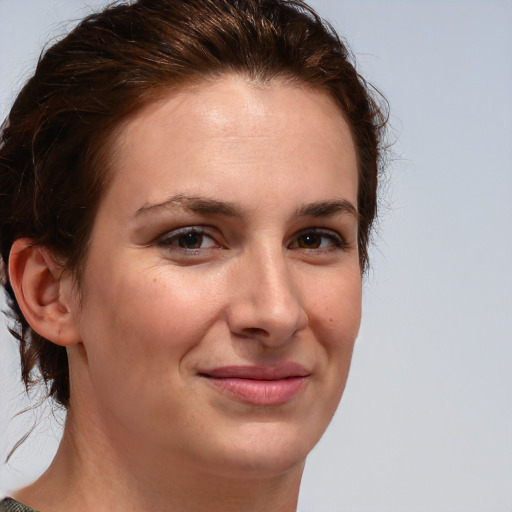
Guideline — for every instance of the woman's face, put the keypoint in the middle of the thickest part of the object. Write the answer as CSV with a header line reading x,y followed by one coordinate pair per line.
x,y
222,291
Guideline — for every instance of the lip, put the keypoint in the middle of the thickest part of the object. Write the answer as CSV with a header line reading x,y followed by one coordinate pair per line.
x,y
259,385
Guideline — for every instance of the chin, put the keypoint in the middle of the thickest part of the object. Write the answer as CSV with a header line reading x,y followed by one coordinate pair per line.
x,y
265,450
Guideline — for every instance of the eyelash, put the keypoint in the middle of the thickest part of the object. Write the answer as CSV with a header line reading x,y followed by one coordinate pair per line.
x,y
172,239
336,240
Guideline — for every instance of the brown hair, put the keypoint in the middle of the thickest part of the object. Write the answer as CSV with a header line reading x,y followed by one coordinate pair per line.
x,y
55,143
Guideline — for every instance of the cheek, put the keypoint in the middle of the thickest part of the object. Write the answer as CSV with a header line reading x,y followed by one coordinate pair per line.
x,y
335,317
136,329
337,306
138,315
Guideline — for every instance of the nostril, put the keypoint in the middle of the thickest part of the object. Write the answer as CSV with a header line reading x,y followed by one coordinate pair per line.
x,y
255,332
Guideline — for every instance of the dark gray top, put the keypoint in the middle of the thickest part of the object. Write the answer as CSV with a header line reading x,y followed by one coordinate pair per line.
x,y
10,505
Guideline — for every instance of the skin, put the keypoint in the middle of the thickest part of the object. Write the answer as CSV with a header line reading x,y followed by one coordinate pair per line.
x,y
227,237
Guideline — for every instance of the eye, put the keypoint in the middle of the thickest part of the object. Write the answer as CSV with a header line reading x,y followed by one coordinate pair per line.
x,y
314,239
192,239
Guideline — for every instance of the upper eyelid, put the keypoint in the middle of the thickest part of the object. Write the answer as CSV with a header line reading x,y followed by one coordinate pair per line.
x,y
167,238
203,230
337,238
317,229
320,231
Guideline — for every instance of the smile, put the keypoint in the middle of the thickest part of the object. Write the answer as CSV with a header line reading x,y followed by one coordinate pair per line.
x,y
259,385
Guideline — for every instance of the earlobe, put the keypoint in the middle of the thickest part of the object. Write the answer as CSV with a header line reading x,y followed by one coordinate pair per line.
x,y
44,292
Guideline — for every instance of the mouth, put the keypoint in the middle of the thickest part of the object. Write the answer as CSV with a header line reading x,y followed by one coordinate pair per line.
x,y
259,385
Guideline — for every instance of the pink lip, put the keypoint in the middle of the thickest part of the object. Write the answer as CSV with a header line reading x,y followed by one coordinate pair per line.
x,y
259,385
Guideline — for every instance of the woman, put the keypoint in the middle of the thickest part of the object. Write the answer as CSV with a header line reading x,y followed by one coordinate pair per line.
x,y
188,190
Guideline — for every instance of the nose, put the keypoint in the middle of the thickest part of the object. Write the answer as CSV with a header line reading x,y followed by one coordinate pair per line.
x,y
266,304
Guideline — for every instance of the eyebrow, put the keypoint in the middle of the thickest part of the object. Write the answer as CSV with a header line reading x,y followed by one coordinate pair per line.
x,y
212,206
193,203
328,209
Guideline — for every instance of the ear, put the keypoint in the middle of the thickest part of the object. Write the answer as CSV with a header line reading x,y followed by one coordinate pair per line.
x,y
45,292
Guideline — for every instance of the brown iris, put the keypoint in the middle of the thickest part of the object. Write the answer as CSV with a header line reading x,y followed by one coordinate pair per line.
x,y
309,241
191,240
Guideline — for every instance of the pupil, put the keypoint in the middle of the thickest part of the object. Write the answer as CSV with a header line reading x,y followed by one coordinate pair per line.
x,y
310,241
191,241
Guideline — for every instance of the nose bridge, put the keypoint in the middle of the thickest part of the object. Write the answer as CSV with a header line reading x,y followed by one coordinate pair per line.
x,y
268,305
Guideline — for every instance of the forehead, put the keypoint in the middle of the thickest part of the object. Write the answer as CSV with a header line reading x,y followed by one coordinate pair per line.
x,y
236,130
236,105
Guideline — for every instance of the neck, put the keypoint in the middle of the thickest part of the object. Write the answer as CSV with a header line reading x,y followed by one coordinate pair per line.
x,y
90,472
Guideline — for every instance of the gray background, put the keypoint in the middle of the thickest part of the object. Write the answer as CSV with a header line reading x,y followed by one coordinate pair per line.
x,y
426,420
